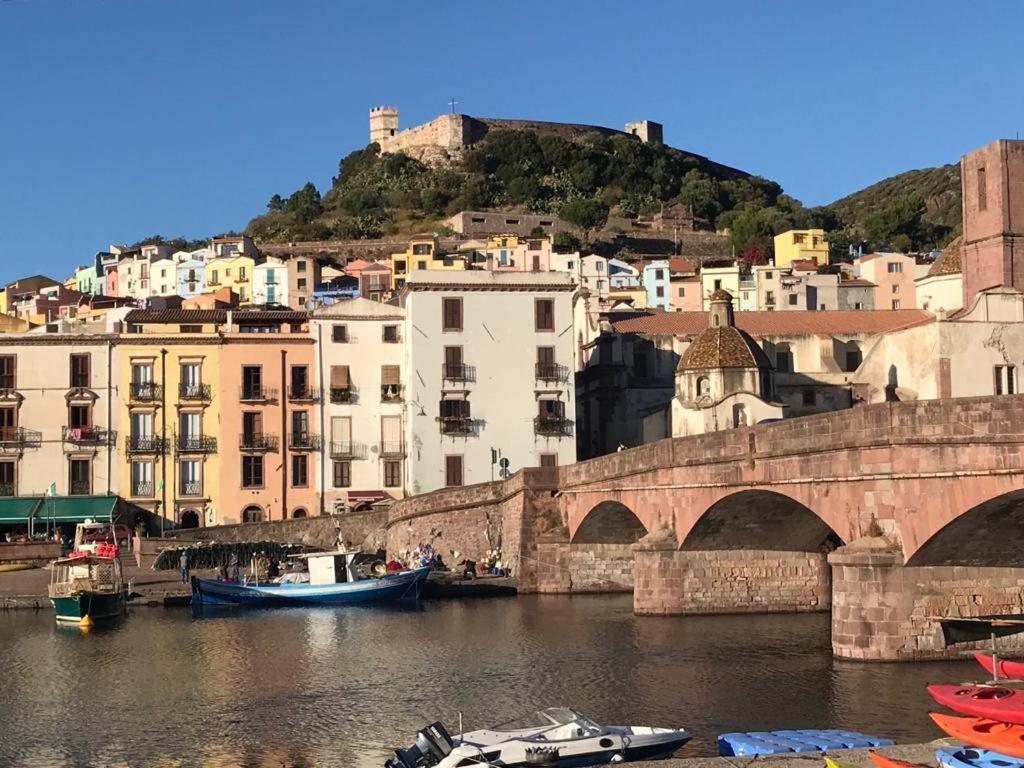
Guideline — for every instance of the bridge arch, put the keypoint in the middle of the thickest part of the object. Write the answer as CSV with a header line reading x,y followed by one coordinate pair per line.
x,y
760,519
987,534
610,522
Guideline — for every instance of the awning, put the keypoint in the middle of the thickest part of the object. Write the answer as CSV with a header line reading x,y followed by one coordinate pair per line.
x,y
339,376
17,510
75,509
548,396
454,395
391,375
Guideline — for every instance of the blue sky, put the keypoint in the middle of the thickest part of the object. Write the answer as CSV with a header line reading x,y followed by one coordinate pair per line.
x,y
124,118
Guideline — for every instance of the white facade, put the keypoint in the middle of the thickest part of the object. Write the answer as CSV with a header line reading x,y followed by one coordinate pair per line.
x,y
940,293
360,353
163,277
623,274
590,272
488,367
721,278
270,283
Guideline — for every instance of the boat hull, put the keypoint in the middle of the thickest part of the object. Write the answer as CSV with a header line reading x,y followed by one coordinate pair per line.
x,y
994,703
1003,667
987,734
71,609
968,757
404,586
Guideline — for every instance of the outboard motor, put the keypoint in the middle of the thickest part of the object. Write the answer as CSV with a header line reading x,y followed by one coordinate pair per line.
x,y
432,745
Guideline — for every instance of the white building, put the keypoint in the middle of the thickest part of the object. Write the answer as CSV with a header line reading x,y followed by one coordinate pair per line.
x,y
360,351
590,272
270,283
742,288
488,371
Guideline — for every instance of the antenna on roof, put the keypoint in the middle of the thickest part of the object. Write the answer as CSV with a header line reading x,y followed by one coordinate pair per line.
x,y
452,104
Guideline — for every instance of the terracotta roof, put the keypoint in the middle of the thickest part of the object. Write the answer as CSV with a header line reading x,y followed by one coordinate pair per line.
x,y
948,262
723,347
143,316
681,266
804,265
375,266
781,323
857,282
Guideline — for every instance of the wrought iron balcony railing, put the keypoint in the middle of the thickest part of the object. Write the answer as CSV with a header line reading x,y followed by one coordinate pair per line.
x,y
195,392
79,488
457,425
257,441
6,489
551,372
142,488
88,435
552,426
145,392
253,393
190,488
389,393
19,438
304,441
145,444
303,394
342,395
195,444
392,450
458,372
348,451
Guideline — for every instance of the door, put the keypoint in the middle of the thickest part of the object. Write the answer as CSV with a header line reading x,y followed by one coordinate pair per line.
x,y
453,362
142,425
190,379
391,434
252,381
341,434
252,425
300,428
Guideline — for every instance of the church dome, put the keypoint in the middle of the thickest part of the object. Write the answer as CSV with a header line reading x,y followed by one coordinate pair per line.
x,y
720,295
948,262
723,347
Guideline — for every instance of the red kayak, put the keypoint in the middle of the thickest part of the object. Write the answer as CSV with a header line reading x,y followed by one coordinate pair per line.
x,y
1013,670
891,762
986,734
993,702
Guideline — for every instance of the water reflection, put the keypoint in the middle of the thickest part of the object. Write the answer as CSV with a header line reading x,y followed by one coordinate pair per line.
x,y
337,687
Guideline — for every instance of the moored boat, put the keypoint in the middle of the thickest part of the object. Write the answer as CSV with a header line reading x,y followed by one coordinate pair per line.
x,y
1005,668
554,736
87,586
994,702
1005,738
333,579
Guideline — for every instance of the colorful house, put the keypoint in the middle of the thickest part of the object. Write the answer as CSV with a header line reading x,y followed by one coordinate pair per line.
x,y
801,244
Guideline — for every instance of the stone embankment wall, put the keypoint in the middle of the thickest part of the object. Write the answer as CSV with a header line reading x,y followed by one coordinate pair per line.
x,y
365,529
562,567
881,608
30,550
671,581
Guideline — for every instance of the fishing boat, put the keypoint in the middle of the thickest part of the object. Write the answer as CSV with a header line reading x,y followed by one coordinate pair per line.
x,y
1005,738
968,757
88,586
994,702
332,579
554,736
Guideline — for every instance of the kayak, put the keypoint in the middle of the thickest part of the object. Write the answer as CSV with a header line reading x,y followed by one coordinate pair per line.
x,y
987,734
993,702
967,757
884,761
1006,668
830,763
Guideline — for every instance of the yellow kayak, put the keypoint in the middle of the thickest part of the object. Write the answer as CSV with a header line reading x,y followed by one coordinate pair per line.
x,y
8,567
836,763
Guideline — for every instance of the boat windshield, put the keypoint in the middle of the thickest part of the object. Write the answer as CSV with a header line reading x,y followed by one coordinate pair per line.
x,y
547,718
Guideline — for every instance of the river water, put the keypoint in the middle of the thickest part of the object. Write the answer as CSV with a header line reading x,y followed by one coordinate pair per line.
x,y
337,687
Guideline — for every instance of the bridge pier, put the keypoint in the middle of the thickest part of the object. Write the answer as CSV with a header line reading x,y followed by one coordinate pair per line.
x,y
670,581
880,607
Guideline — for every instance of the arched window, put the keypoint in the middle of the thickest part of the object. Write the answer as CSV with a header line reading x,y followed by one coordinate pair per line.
x,y
299,512
189,519
783,358
703,386
854,357
714,320
739,415
252,514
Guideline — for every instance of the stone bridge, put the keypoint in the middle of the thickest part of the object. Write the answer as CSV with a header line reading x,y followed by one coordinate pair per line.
x,y
888,514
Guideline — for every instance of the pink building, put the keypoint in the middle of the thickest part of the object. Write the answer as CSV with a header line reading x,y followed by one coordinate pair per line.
x,y
893,275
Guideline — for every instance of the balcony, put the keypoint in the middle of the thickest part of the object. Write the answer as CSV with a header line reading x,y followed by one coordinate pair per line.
x,y
195,444
142,488
79,488
341,395
304,441
303,394
457,425
145,392
195,392
551,372
552,426
145,444
88,435
6,489
389,393
348,451
190,488
458,372
256,393
19,438
257,441
392,450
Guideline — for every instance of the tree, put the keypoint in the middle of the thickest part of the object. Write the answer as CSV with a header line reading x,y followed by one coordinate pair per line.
x,y
565,242
304,204
585,213
276,204
701,193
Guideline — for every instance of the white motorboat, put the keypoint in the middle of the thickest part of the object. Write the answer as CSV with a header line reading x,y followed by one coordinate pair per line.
x,y
551,737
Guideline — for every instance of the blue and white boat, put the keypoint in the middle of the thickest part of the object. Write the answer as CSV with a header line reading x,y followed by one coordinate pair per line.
x,y
333,580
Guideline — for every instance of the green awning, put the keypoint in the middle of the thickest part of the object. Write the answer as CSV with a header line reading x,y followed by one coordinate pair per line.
x,y
74,509
17,510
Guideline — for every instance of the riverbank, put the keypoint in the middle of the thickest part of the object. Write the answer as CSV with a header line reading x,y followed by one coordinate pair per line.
x,y
914,753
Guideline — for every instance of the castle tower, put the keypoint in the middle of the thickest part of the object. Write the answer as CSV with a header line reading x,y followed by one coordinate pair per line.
x,y
992,183
383,124
647,131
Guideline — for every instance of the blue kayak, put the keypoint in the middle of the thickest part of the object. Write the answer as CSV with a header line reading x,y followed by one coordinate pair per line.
x,y
969,757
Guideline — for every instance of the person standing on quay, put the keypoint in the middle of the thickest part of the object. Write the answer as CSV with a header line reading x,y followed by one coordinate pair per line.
x,y
183,562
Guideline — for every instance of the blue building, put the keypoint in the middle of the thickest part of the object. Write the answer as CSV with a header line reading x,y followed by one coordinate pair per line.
x,y
656,283
190,278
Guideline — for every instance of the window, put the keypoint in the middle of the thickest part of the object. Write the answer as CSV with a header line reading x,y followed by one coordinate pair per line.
x,y
391,333
659,291
808,396
550,410
339,334
1005,380
80,477
894,267
80,416
451,314
300,266
241,273
142,478
659,274
769,297
544,315
895,303
640,363
252,382
793,298
718,285
300,381
452,471
190,478
422,249
8,364
80,373
895,289
549,459
682,292
768,275
190,329
858,305
421,265
342,474
392,474
300,470
783,358
300,284
252,471
703,386
982,190
854,357
6,478
300,428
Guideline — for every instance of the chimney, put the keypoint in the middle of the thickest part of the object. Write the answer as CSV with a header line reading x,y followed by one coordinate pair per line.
x,y
230,325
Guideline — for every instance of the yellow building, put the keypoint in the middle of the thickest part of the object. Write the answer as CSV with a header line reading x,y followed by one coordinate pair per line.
x,y
801,244
169,403
234,272
422,253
